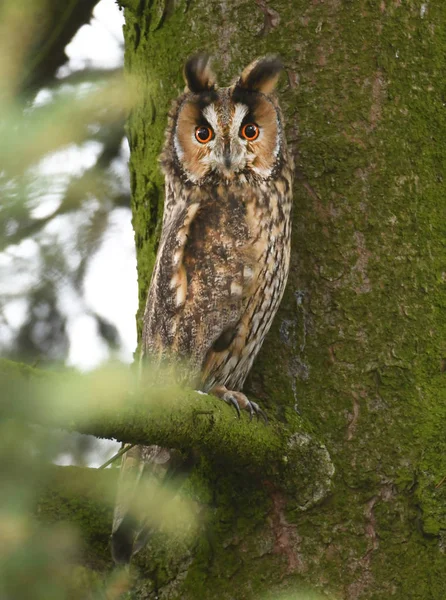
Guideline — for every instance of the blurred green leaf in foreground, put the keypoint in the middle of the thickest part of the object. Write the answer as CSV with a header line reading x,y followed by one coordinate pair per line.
x,y
53,519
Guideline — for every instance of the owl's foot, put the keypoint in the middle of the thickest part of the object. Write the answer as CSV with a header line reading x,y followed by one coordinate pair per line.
x,y
240,402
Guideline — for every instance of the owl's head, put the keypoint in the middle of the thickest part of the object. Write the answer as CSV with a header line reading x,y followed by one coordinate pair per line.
x,y
231,134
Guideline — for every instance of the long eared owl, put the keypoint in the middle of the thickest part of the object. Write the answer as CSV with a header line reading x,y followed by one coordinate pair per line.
x,y
223,257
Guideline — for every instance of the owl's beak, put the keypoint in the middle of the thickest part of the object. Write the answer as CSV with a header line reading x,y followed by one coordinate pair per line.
x,y
227,164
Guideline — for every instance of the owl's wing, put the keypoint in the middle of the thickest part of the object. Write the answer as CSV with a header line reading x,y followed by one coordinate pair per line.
x,y
199,286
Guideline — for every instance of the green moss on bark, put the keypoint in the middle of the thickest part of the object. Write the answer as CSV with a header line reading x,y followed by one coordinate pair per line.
x,y
358,343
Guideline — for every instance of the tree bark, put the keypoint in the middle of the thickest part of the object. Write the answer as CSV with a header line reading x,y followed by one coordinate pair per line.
x,y
358,346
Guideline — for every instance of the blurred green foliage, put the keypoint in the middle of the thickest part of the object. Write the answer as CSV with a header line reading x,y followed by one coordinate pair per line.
x,y
42,114
63,553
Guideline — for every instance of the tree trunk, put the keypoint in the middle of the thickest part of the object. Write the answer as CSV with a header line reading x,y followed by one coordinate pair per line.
x,y
358,346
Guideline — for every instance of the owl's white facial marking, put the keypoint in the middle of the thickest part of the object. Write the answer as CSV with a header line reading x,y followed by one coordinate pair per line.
x,y
240,112
211,116
227,151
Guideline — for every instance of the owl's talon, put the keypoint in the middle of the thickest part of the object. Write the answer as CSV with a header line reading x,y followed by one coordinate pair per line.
x,y
258,412
231,399
240,402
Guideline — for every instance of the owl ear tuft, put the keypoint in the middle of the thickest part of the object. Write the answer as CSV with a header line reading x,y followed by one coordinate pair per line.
x,y
198,74
261,75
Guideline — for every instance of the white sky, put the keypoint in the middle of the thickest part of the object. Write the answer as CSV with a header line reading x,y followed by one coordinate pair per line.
x,y
100,43
110,283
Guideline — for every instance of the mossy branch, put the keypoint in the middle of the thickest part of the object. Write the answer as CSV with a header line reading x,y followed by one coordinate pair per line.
x,y
83,497
108,404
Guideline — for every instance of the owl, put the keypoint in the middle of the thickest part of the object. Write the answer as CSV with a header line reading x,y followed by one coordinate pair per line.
x,y
224,252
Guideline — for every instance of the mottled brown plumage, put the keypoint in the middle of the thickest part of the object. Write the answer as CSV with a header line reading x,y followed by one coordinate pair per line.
x,y
223,257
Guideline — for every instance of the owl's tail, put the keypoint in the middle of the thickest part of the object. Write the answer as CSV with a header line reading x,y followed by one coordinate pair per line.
x,y
144,469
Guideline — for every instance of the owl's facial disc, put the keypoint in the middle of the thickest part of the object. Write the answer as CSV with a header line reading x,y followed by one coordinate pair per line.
x,y
226,138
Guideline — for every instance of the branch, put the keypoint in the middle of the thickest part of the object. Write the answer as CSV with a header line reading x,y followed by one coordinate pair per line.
x,y
58,25
108,404
82,497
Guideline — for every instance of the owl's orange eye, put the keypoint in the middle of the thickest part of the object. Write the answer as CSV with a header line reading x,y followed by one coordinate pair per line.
x,y
203,134
250,132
